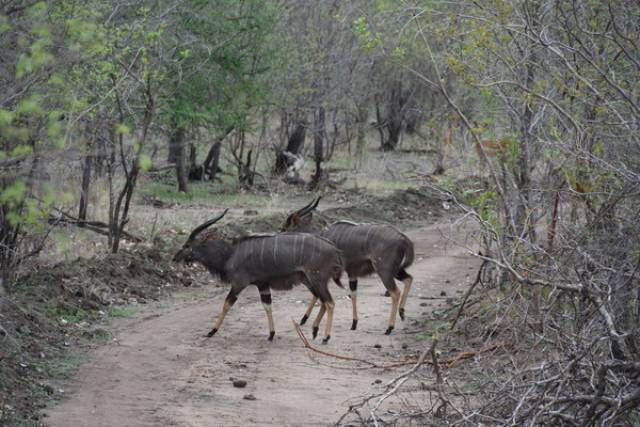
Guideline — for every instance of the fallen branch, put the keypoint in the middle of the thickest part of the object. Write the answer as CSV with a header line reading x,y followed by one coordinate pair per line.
x,y
446,364
95,226
308,345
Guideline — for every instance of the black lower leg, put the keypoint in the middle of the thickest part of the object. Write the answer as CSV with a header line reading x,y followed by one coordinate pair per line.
x,y
314,333
271,335
388,331
265,298
401,313
353,285
304,319
326,339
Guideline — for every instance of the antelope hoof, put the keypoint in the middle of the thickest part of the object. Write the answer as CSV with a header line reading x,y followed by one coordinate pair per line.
x,y
387,293
271,335
212,332
315,332
354,324
401,312
304,320
325,340
389,329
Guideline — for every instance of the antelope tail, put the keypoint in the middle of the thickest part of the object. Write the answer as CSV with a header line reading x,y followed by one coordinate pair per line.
x,y
408,254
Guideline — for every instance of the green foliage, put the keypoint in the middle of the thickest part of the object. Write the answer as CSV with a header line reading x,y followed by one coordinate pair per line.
x,y
125,311
224,66
202,192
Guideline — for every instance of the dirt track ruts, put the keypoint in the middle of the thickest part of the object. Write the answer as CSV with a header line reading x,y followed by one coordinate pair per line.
x,y
161,371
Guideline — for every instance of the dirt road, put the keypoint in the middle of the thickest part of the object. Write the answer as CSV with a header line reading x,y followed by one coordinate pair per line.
x,y
161,371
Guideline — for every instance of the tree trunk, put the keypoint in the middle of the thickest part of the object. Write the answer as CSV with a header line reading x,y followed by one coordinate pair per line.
x,y
318,144
177,141
361,140
85,187
395,117
394,128
294,146
212,162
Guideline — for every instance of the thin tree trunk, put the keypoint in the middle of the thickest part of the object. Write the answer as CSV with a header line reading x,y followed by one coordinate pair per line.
x,y
177,141
84,190
318,143
361,136
212,161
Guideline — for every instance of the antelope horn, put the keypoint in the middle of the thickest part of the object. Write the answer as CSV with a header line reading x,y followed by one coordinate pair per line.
x,y
301,212
201,227
311,206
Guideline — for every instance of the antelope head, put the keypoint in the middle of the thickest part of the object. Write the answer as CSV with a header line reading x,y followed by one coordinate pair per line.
x,y
191,250
301,217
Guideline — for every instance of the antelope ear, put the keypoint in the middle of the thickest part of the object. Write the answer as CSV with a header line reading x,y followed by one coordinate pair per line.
x,y
306,219
295,220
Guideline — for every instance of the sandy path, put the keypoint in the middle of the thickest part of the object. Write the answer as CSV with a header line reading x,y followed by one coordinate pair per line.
x,y
161,371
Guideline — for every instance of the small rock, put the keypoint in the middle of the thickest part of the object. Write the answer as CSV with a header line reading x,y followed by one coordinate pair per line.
x,y
443,294
250,212
249,397
377,346
405,346
378,381
424,304
240,383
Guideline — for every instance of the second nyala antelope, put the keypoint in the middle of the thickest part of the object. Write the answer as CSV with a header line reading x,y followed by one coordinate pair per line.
x,y
267,261
366,248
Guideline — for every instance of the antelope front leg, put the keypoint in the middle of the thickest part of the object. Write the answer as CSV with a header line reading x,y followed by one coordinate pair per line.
x,y
309,310
395,299
231,298
316,323
265,297
327,331
408,281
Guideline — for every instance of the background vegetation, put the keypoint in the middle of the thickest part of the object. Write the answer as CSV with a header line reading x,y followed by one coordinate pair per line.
x,y
100,99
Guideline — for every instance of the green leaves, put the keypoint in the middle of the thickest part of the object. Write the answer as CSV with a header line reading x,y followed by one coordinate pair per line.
x,y
145,162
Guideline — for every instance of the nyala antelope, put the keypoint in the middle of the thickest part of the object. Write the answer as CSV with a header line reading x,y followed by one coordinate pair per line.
x,y
366,248
269,262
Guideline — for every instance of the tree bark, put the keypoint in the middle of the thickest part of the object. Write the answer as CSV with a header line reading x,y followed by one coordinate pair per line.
x,y
177,141
361,140
318,144
212,162
84,190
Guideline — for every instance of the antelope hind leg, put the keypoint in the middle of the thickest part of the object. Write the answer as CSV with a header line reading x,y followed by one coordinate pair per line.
x,y
307,313
265,297
327,331
316,323
408,281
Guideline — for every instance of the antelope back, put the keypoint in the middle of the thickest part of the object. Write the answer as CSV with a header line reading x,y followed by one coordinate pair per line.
x,y
364,241
271,256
